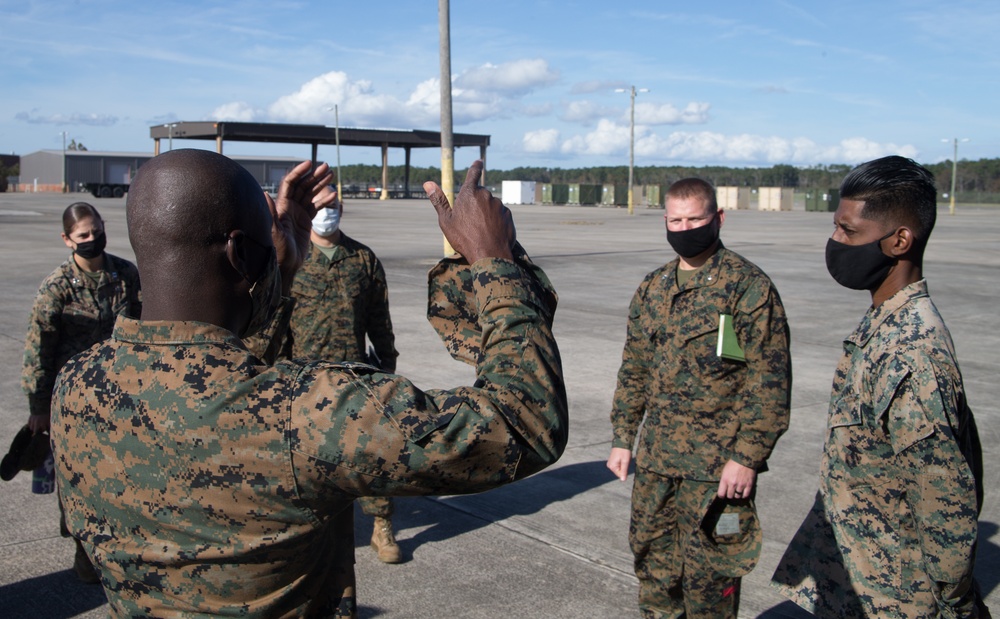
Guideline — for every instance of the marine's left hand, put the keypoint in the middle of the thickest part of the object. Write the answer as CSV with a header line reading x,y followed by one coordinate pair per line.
x,y
301,193
737,481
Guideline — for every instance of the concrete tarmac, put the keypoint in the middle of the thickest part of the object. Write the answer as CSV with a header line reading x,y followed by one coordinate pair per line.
x,y
554,545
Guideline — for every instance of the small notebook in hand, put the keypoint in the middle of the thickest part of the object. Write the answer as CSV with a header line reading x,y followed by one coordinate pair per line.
x,y
728,346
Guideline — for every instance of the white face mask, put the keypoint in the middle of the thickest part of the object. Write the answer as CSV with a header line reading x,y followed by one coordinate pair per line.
x,y
326,221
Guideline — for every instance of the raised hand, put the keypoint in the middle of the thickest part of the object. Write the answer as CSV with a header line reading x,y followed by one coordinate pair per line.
x,y
479,226
302,191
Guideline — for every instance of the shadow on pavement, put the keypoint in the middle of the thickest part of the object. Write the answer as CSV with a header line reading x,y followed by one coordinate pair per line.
x,y
58,595
521,498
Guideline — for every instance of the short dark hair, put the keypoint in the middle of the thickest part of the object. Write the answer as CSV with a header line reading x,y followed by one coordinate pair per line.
x,y
694,188
896,191
77,211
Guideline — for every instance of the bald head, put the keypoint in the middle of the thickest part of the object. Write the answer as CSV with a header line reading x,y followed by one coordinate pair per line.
x,y
187,198
190,214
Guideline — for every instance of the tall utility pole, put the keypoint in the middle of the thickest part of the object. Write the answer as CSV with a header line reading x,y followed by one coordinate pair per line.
x,y
631,140
954,173
62,187
447,142
336,138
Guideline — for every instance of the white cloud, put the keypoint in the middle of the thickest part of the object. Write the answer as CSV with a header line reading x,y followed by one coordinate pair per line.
x,y
237,111
541,141
93,120
606,139
756,149
584,112
511,78
485,92
666,114
739,149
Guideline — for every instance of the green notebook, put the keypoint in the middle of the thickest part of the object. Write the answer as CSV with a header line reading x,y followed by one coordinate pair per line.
x,y
728,346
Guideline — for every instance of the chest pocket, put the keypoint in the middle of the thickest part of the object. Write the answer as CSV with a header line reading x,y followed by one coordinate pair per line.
x,y
699,337
906,423
79,319
846,411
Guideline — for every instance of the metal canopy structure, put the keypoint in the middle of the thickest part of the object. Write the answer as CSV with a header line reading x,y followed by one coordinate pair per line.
x,y
314,135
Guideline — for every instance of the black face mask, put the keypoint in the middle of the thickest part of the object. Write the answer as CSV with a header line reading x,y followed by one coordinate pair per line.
x,y
858,267
92,248
692,242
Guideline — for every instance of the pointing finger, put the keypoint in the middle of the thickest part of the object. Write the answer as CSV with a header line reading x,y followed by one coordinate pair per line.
x,y
473,175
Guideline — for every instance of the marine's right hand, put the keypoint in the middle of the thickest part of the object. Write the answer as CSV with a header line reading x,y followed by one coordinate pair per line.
x,y
479,226
618,462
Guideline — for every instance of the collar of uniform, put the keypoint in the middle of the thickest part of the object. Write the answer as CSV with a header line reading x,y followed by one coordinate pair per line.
x,y
706,275
79,277
877,315
171,332
342,250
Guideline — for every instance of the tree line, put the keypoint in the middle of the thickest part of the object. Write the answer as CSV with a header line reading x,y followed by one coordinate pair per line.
x,y
977,181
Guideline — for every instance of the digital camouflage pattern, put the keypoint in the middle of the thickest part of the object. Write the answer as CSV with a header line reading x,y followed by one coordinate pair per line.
x,y
72,312
338,302
201,480
690,546
451,302
894,527
700,411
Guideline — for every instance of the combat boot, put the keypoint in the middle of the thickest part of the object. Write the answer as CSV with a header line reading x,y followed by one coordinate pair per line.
x,y
82,566
384,541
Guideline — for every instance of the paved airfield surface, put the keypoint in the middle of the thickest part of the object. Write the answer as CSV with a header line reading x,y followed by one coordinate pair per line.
x,y
554,545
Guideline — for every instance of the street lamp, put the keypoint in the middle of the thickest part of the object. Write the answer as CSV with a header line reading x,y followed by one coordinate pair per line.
x,y
170,135
954,172
62,187
336,139
631,139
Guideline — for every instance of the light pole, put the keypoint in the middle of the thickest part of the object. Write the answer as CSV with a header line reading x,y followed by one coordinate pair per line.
x,y
447,137
62,187
954,172
336,140
170,136
631,138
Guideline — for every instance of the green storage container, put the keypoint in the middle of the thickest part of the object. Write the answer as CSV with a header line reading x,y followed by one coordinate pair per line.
x,y
588,194
546,193
560,193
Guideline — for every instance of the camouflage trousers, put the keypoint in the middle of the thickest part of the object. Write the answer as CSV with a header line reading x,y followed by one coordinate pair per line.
x,y
345,585
377,506
690,547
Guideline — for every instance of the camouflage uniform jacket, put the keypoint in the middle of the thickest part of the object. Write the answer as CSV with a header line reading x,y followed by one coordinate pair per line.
x,y
701,410
337,303
901,452
203,481
72,312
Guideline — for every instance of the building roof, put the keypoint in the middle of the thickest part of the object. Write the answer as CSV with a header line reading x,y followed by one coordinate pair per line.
x,y
309,134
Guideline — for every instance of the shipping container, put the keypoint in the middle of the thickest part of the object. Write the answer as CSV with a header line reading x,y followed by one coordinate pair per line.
x,y
733,198
518,192
775,198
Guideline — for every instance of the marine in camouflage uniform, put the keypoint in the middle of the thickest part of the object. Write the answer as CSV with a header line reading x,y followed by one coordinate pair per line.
x,y
698,412
74,310
894,527
893,530
339,300
205,480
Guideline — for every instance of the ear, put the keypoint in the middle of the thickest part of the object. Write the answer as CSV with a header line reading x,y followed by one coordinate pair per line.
x,y
722,217
66,240
902,241
236,253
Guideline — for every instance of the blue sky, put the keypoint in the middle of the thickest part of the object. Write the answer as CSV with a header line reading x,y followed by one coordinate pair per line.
x,y
734,83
